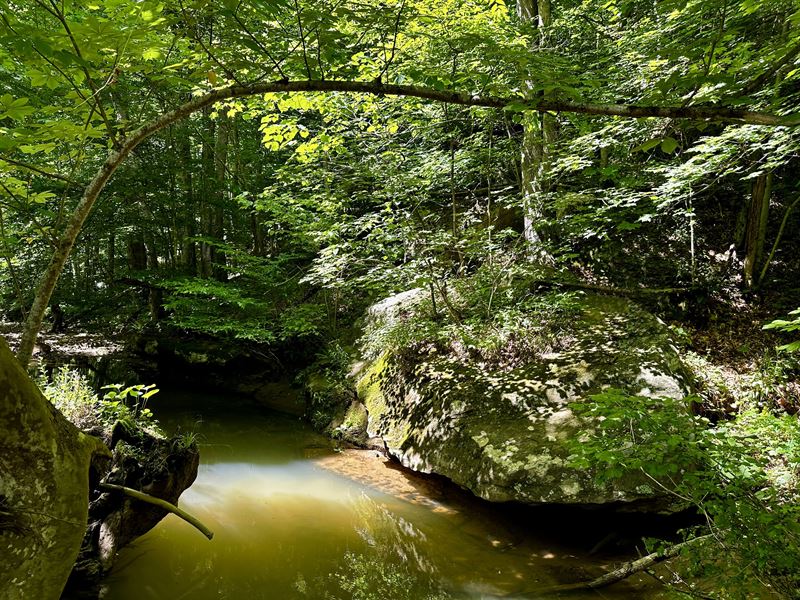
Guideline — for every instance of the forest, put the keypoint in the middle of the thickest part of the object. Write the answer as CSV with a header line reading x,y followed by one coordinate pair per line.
x,y
402,299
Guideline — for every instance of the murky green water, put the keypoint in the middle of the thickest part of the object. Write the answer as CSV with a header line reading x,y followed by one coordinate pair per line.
x,y
293,518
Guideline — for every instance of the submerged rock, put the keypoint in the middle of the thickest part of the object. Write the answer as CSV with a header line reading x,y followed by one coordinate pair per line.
x,y
503,433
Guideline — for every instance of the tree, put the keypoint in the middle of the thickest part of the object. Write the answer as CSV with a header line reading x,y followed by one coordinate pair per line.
x,y
539,135
211,55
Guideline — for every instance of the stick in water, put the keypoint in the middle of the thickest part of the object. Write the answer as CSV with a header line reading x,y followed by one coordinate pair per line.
x,y
179,512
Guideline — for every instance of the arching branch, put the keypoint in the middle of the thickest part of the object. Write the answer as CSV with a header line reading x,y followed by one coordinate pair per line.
x,y
117,156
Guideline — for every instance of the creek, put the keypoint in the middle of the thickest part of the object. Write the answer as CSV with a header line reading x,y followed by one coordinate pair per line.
x,y
295,518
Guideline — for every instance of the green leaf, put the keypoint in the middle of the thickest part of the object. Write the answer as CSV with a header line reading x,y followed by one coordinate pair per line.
x,y
151,54
669,145
14,108
648,145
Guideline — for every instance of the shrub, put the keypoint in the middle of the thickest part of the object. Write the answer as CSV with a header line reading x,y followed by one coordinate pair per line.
x,y
742,475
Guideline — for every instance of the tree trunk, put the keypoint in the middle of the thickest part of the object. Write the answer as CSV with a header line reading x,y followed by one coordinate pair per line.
x,y
111,257
220,195
207,169
186,181
538,137
137,252
256,233
44,487
756,228
151,252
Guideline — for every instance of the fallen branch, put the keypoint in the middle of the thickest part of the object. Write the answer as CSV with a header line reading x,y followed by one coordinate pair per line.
x,y
614,291
628,569
191,519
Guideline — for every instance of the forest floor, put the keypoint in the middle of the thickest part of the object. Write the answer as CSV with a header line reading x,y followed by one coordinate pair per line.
x,y
737,359
71,343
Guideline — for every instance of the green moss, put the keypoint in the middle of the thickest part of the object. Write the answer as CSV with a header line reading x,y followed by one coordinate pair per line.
x,y
503,430
355,417
369,389
44,481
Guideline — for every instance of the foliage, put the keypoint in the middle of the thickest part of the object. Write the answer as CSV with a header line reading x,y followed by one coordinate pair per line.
x,y
770,385
118,400
277,219
787,327
70,391
327,386
742,475
288,213
496,316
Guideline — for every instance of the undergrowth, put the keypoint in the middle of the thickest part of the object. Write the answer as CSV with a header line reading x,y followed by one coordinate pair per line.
x,y
496,319
742,475
73,395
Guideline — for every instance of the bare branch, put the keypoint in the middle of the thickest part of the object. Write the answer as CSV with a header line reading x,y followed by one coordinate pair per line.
x,y
390,60
161,503
261,46
628,569
35,169
302,39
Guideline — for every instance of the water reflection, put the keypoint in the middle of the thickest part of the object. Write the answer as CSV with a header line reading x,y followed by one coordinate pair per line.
x,y
294,519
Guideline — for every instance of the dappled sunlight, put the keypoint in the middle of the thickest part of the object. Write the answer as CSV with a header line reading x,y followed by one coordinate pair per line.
x,y
324,524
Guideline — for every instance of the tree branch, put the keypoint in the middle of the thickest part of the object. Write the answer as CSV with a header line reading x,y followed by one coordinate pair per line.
x,y
118,155
777,240
757,83
628,569
711,113
35,169
169,507
302,38
110,127
388,62
608,289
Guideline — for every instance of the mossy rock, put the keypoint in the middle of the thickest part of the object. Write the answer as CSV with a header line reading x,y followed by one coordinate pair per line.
x,y
44,487
504,434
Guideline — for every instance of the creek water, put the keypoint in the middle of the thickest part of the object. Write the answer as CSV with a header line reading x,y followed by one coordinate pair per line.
x,y
295,518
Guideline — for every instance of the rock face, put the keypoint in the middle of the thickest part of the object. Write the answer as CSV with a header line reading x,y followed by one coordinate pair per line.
x,y
503,434
44,487
160,467
48,469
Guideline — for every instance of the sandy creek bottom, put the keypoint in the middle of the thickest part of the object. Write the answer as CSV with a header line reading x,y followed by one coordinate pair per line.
x,y
294,518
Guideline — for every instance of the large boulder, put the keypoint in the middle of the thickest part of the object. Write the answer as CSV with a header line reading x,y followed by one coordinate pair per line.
x,y
44,487
504,433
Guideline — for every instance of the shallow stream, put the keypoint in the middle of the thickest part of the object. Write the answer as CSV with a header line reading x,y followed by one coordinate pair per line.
x,y
295,518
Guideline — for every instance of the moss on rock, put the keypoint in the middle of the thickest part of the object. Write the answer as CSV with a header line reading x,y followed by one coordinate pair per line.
x,y
504,434
44,487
